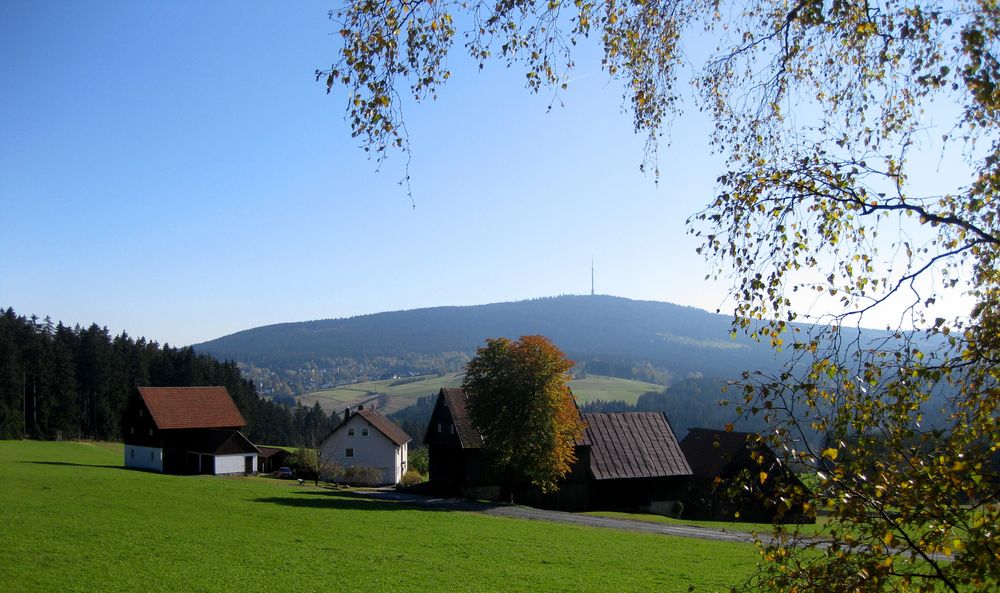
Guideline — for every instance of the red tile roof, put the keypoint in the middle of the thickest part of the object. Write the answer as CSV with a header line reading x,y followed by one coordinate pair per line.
x,y
633,445
191,407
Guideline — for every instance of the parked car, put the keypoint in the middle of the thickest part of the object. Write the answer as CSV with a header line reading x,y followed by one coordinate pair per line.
x,y
284,473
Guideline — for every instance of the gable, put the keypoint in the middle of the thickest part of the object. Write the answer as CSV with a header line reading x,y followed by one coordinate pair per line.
x,y
376,423
711,452
633,445
191,407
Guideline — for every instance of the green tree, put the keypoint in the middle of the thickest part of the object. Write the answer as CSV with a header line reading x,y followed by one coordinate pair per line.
x,y
519,401
824,113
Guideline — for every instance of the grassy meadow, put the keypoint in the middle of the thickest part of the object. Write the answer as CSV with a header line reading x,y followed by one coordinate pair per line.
x,y
75,520
401,395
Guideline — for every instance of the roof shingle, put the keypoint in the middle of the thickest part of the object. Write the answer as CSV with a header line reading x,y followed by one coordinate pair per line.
x,y
633,445
191,407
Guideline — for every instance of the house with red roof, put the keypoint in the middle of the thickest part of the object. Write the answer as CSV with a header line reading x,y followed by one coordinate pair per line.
x,y
367,440
187,430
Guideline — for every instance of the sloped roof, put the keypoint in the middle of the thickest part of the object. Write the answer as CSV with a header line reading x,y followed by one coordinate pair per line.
x,y
191,407
220,442
633,445
268,452
387,427
458,404
709,451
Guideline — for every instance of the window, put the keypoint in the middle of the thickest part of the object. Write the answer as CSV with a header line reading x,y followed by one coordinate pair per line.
x,y
150,455
150,432
133,453
131,430
364,431
451,428
140,412
439,427
350,432
350,452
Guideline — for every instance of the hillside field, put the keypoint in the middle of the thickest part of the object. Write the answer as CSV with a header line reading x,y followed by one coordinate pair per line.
x,y
404,393
75,520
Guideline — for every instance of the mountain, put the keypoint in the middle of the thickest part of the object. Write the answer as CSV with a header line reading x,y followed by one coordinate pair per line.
x,y
606,335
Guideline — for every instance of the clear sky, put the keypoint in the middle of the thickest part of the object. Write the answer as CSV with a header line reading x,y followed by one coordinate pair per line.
x,y
174,170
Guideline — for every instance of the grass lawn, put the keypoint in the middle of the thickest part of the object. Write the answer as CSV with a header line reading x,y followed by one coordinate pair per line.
x,y
590,388
74,520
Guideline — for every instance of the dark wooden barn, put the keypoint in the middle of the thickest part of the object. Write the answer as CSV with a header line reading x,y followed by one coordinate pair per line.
x,y
623,461
186,430
737,477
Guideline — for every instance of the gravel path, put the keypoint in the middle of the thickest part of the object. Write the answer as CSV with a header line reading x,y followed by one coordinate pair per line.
x,y
521,512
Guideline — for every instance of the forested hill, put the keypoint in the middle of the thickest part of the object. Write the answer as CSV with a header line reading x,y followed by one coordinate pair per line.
x,y
608,335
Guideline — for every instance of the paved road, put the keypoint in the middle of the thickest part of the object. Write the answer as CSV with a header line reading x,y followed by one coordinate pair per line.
x,y
520,512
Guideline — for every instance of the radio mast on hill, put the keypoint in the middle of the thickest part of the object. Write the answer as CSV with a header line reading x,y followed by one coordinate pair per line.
x,y
591,275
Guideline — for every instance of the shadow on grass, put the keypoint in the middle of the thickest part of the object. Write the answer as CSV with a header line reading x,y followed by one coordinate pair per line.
x,y
314,499
70,464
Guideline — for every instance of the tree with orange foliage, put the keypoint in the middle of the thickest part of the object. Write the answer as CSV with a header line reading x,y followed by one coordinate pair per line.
x,y
519,401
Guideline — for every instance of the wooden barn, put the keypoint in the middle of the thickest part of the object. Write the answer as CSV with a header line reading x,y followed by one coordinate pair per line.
x,y
623,461
727,478
186,430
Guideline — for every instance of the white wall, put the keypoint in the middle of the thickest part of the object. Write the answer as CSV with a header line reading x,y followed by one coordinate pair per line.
x,y
232,464
150,458
374,450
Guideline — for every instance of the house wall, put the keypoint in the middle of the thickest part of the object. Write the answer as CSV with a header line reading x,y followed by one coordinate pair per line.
x,y
139,457
233,464
375,450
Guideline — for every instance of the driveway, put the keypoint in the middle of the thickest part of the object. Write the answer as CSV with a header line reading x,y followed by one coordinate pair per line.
x,y
521,512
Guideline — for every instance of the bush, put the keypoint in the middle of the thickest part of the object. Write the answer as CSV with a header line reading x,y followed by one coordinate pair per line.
x,y
418,460
411,478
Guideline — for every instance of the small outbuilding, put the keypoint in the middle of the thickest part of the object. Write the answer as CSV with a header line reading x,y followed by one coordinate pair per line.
x,y
368,446
186,430
271,458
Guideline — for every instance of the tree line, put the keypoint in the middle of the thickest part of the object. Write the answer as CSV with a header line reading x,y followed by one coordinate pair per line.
x,y
61,382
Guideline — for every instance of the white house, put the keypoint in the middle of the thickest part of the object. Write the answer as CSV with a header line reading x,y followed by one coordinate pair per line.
x,y
367,439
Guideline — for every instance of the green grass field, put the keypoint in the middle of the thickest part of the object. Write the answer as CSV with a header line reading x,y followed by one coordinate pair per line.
x,y
591,388
74,520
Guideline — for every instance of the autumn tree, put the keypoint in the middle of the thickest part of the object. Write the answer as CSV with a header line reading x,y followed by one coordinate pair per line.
x,y
519,401
862,164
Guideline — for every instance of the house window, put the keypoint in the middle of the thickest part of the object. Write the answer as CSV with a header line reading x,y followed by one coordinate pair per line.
x,y
350,452
439,427
133,453
150,432
364,431
131,430
451,428
140,413
350,432
150,455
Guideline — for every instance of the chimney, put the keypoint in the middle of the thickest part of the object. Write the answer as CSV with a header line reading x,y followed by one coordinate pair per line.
x,y
347,413
361,407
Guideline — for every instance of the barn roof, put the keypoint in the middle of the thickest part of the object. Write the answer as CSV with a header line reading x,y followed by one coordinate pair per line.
x,y
387,427
633,445
191,407
710,451
458,404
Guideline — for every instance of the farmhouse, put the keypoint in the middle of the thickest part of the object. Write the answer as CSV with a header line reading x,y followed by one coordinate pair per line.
x,y
368,442
628,460
186,430
733,472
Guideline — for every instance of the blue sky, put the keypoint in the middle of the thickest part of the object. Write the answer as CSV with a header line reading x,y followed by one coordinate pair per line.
x,y
174,170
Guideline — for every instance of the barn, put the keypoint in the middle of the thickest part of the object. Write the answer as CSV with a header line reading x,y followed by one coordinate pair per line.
x,y
736,476
623,461
186,430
